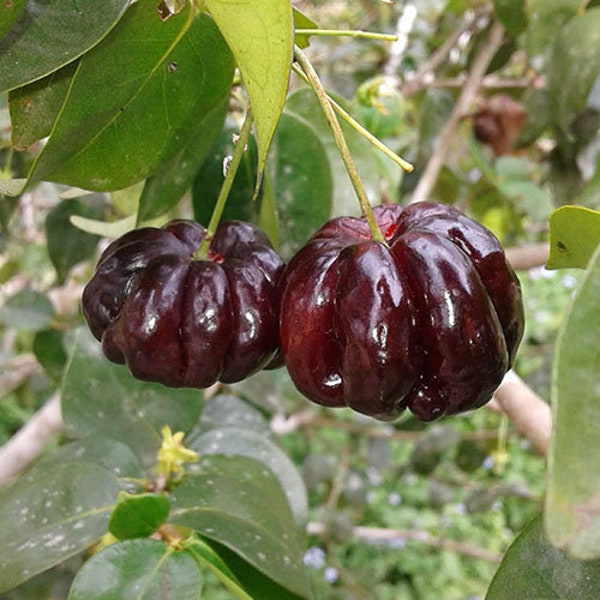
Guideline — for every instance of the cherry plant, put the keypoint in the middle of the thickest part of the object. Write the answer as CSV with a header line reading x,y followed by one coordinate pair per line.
x,y
145,113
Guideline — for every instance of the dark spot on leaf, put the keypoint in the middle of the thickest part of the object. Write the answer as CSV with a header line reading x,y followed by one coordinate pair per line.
x,y
562,247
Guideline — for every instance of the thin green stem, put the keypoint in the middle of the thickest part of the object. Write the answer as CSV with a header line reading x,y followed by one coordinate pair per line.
x,y
403,164
365,35
232,168
340,141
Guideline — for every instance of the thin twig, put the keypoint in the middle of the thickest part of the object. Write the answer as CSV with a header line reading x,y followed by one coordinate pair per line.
x,y
467,94
30,440
380,535
522,258
16,371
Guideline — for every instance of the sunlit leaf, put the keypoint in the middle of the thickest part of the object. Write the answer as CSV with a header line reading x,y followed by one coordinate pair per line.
x,y
574,235
260,35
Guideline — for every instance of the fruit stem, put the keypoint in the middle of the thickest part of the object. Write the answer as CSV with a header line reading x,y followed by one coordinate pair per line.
x,y
404,164
358,34
340,141
231,170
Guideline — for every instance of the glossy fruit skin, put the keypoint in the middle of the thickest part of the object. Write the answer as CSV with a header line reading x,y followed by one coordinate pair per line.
x,y
430,322
185,322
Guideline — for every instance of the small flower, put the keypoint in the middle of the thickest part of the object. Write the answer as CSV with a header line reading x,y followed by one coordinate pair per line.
x,y
172,454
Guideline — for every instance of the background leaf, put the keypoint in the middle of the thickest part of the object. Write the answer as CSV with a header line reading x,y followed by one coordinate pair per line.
x,y
572,514
574,235
140,569
50,517
9,13
533,569
101,398
260,35
49,34
28,310
67,245
105,141
239,503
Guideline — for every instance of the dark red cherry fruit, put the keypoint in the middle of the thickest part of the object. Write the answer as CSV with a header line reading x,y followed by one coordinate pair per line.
x,y
430,322
185,322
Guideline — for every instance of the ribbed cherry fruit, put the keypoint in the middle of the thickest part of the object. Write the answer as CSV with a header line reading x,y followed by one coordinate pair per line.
x,y
430,322
185,322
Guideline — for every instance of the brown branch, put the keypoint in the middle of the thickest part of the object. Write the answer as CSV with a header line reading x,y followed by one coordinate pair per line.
x,y
30,440
16,371
522,258
466,96
531,416
378,534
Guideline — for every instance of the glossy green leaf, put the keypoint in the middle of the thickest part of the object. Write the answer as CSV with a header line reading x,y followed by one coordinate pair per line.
x,y
34,107
575,66
533,569
574,235
256,585
113,455
226,410
50,517
512,14
49,34
238,441
572,514
301,181
138,570
50,352
9,13
260,35
67,245
28,310
138,515
239,503
101,398
206,556
209,179
105,141
379,174
164,189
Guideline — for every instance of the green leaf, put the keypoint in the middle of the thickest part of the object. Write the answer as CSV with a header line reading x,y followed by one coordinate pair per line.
x,y
138,515
105,452
34,107
164,189
206,556
27,310
238,441
512,14
101,398
138,570
256,585
225,410
9,13
379,174
546,20
239,503
66,244
50,517
301,21
301,182
575,66
50,34
533,569
572,514
103,141
260,35
50,352
108,229
209,179
574,235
